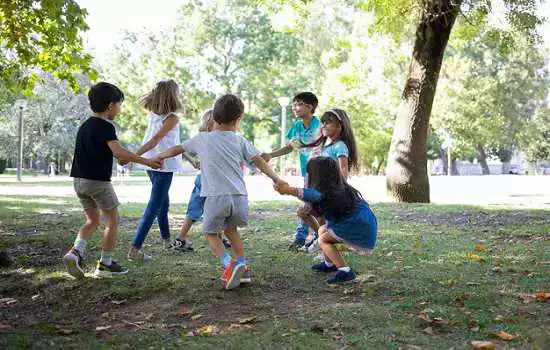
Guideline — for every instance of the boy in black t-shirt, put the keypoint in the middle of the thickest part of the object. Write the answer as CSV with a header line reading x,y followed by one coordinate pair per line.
x,y
96,144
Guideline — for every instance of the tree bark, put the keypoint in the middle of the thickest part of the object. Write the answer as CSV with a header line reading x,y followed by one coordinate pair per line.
x,y
407,175
482,160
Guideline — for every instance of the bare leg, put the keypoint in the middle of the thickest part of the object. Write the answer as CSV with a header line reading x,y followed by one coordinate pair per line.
x,y
237,244
326,242
111,229
185,228
216,244
90,226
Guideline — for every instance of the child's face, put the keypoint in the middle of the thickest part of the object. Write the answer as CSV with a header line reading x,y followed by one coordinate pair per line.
x,y
114,109
331,129
302,109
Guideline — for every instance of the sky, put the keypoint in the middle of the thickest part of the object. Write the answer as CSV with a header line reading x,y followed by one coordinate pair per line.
x,y
108,19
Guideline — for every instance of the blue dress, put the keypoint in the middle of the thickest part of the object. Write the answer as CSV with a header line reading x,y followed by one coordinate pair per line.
x,y
358,229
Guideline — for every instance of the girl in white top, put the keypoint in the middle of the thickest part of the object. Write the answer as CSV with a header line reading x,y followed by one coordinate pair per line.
x,y
163,132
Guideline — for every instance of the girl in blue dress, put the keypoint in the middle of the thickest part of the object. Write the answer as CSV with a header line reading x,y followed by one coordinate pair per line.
x,y
348,218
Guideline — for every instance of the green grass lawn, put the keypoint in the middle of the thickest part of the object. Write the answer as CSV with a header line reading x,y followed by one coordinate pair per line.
x,y
441,277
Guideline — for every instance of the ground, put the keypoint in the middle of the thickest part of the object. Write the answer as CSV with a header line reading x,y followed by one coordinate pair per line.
x,y
441,276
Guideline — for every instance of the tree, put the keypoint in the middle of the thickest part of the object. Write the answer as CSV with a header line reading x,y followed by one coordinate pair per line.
x,y
407,178
41,34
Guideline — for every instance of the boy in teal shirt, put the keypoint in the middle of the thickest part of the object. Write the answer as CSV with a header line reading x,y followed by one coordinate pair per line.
x,y
305,130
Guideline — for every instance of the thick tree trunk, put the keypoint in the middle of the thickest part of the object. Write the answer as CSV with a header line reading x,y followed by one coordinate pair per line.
x,y
482,160
407,175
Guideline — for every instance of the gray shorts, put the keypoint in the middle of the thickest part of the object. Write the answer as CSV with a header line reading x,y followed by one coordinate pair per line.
x,y
223,211
95,194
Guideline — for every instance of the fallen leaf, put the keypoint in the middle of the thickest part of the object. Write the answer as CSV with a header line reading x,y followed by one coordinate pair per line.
x,y
450,282
480,247
482,345
429,331
504,336
526,297
118,302
102,328
543,296
196,317
472,284
474,329
7,302
190,334
207,330
475,257
149,316
246,319
65,331
496,269
184,310
5,327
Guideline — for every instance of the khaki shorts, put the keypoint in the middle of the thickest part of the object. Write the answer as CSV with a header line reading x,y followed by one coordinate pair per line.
x,y
223,211
95,194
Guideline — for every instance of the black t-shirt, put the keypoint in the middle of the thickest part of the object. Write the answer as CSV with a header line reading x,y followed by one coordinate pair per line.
x,y
93,159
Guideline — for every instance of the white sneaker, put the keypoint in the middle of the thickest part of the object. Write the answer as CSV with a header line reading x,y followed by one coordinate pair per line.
x,y
313,247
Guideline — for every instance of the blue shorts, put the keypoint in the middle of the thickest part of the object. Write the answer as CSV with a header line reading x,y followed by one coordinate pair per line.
x,y
195,207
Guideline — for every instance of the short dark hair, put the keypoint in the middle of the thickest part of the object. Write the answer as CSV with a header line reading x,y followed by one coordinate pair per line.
x,y
102,94
308,98
227,109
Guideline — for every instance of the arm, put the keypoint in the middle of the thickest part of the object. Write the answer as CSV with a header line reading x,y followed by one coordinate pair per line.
x,y
266,169
193,162
343,163
280,152
309,195
123,154
169,123
171,152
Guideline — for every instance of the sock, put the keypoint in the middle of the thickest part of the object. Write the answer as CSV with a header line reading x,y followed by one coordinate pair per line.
x,y
107,257
225,259
80,245
241,260
345,269
329,264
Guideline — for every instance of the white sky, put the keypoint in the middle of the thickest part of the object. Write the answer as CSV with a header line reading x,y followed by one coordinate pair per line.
x,y
108,18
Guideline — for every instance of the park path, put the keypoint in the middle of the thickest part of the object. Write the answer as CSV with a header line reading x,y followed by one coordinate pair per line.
x,y
494,190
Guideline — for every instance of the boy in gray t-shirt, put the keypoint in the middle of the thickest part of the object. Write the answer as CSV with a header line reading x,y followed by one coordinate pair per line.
x,y
221,153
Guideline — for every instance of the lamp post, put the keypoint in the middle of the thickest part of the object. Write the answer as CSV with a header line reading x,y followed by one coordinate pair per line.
x,y
283,101
447,143
21,104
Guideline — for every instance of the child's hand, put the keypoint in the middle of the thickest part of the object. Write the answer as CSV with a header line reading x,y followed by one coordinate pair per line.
x,y
123,162
281,187
265,156
196,164
155,163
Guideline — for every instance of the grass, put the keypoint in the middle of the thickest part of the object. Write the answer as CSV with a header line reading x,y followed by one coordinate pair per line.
x,y
441,276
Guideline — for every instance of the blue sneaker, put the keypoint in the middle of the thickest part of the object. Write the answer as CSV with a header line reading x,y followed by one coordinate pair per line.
x,y
341,277
322,267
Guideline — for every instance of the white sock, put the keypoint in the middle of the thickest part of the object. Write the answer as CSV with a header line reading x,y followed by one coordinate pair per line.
x,y
344,269
107,257
329,264
80,245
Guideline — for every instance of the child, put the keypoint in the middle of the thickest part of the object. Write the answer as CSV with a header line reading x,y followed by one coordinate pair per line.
x,y
163,132
96,144
195,206
221,153
304,131
349,219
337,142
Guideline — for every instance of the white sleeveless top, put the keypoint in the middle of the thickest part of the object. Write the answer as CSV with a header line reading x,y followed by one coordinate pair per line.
x,y
169,140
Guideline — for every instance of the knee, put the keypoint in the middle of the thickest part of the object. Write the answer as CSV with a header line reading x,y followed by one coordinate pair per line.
x,y
302,212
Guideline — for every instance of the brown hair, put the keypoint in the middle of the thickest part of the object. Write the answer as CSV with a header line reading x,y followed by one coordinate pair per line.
x,y
228,109
163,99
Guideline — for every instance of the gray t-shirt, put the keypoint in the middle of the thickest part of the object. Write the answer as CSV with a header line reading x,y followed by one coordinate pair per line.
x,y
221,154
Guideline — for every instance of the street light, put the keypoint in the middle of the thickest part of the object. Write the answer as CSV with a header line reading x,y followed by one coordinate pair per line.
x,y
21,104
283,101
447,143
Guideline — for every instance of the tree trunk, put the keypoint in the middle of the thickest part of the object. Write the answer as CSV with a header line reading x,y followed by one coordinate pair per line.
x,y
444,160
454,168
482,160
380,163
407,175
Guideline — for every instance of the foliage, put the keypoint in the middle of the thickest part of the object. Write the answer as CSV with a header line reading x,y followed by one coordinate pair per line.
x,y
41,34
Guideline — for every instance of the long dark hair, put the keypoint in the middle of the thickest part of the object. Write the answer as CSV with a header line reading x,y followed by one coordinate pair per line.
x,y
339,198
336,115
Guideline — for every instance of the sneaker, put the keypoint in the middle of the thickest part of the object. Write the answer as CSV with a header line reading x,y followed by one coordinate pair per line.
x,y
313,247
322,267
166,243
341,277
232,275
226,243
73,261
296,245
137,254
182,245
246,277
112,270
